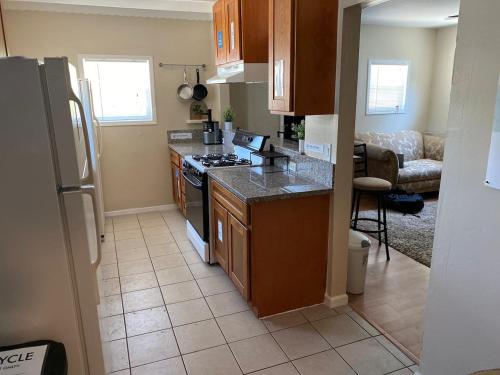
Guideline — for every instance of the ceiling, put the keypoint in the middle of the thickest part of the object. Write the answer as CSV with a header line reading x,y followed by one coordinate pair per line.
x,y
184,9
412,13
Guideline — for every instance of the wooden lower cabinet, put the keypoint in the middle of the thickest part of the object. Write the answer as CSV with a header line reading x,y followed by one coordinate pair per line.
x,y
275,252
219,234
230,241
238,246
178,186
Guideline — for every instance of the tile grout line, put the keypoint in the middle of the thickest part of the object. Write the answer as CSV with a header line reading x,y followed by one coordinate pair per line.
x,y
333,347
368,338
216,322
123,306
166,309
204,297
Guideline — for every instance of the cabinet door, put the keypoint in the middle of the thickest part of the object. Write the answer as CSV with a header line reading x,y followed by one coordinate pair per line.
x,y
238,255
176,185
219,232
220,37
233,30
219,33
281,51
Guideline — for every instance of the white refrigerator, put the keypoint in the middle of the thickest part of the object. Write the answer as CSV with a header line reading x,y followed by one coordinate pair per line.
x,y
49,232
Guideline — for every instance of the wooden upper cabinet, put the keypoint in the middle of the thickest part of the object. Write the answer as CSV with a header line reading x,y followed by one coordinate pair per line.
x,y
219,32
281,16
232,13
302,56
241,31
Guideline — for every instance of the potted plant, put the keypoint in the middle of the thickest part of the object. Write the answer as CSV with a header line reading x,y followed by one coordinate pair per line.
x,y
228,118
197,111
300,131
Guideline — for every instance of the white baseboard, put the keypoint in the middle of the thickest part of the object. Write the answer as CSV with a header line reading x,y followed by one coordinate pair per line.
x,y
336,301
143,210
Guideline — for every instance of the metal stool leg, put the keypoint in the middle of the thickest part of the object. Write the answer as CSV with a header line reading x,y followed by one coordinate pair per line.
x,y
384,208
379,204
357,210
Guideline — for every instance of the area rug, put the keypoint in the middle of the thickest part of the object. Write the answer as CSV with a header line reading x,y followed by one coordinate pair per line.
x,y
412,235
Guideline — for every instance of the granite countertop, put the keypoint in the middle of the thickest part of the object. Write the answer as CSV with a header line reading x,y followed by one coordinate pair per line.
x,y
198,148
255,184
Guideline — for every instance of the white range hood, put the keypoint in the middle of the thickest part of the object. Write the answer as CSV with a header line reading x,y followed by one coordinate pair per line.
x,y
240,73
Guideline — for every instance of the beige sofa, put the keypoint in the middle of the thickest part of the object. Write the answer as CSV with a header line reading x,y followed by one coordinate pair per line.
x,y
423,159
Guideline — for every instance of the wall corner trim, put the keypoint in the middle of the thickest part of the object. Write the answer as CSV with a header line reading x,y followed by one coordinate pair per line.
x,y
336,301
132,211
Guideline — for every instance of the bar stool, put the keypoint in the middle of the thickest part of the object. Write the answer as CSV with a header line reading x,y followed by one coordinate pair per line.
x,y
372,186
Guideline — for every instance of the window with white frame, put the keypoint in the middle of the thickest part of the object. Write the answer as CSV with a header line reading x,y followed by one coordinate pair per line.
x,y
122,88
387,84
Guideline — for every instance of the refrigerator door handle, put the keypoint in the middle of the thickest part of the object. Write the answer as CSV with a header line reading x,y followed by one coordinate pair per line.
x,y
91,191
89,180
99,127
99,131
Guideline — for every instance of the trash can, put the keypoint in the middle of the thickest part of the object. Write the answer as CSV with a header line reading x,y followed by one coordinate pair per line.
x,y
359,245
34,358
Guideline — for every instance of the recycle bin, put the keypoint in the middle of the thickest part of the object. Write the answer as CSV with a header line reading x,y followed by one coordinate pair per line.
x,y
34,358
359,245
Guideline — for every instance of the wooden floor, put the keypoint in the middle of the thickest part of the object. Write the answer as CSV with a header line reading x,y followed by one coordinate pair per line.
x,y
395,294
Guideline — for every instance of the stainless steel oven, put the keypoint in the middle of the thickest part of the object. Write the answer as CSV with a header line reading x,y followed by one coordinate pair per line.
x,y
197,200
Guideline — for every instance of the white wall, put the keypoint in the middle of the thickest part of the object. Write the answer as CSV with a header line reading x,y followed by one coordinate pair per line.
x,y
136,166
462,323
439,100
394,43
250,102
322,130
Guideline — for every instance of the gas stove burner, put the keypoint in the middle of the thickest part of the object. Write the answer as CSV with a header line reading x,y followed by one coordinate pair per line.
x,y
223,163
243,162
213,156
230,156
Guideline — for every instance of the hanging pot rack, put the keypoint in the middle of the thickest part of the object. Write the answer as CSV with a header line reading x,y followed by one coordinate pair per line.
x,y
185,66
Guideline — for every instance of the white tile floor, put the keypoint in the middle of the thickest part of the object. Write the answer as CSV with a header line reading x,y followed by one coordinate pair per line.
x,y
164,312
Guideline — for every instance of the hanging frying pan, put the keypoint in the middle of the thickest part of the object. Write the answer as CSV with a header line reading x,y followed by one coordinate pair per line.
x,y
185,91
200,92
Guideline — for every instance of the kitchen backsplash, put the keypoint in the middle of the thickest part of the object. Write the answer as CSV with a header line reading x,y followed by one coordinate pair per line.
x,y
320,171
185,136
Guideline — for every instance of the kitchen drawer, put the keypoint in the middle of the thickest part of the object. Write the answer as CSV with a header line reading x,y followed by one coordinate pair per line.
x,y
230,202
175,158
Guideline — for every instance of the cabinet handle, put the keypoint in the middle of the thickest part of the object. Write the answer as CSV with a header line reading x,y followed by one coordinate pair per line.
x,y
279,74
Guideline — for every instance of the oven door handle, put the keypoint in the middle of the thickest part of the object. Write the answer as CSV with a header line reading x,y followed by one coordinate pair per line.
x,y
192,181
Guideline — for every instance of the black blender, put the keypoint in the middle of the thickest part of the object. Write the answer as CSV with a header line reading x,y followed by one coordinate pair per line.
x,y
212,135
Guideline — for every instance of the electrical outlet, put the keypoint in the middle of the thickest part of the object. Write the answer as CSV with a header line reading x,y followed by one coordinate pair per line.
x,y
181,136
292,167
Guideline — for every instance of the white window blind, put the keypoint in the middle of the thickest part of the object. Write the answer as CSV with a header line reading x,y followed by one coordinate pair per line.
x,y
387,84
122,89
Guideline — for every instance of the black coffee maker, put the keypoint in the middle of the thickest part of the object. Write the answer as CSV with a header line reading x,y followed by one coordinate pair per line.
x,y
212,135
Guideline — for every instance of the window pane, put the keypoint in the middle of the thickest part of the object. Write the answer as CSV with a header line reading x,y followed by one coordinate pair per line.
x,y
387,88
121,89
